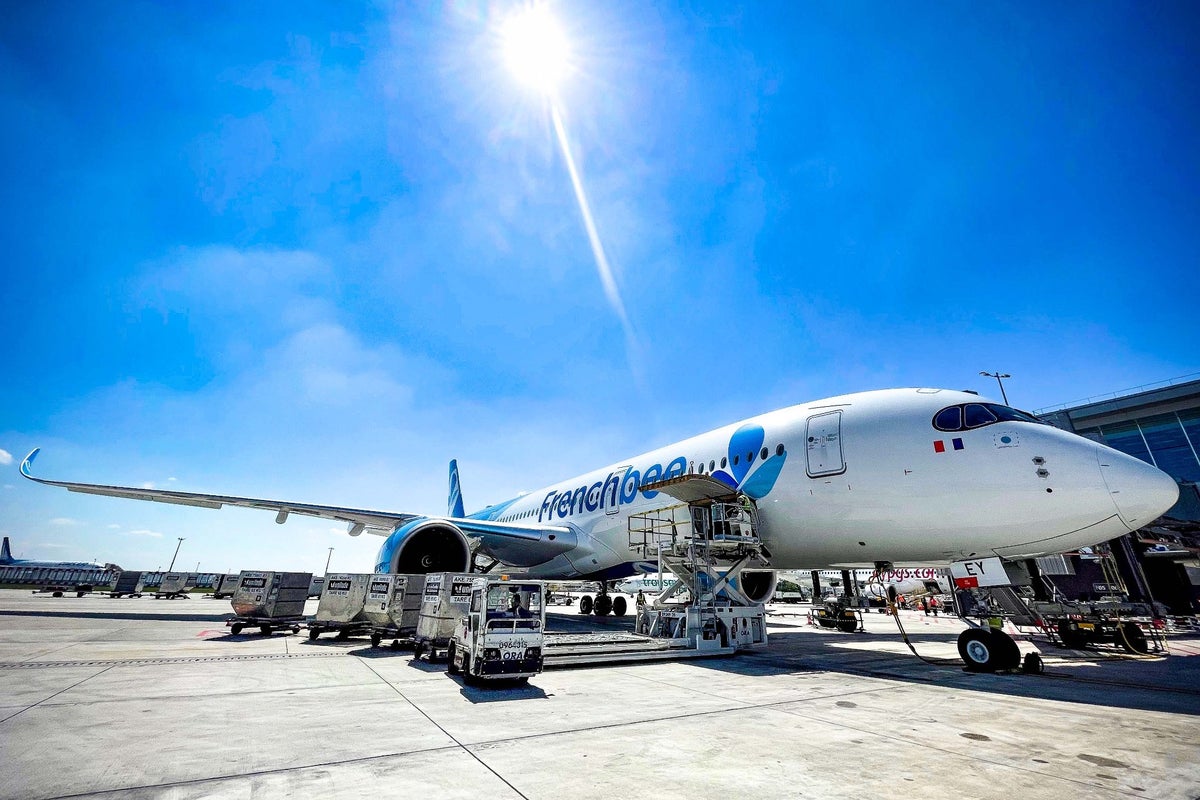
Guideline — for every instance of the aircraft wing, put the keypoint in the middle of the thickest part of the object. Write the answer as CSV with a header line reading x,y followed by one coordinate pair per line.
x,y
511,543
378,522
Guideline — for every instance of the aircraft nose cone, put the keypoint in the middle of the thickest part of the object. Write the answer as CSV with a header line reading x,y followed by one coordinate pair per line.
x,y
1141,492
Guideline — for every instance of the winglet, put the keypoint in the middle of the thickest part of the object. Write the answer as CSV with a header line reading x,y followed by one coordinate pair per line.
x,y
5,553
454,507
29,460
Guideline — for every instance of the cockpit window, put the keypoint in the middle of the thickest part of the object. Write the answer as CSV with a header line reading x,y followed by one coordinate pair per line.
x,y
948,419
977,415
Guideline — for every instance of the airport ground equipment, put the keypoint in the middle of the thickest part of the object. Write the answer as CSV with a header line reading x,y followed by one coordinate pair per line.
x,y
501,635
174,584
316,586
444,601
270,601
78,589
225,585
992,590
341,608
127,584
402,608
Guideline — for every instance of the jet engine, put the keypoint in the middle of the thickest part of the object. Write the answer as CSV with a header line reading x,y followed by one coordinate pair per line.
x,y
423,546
758,584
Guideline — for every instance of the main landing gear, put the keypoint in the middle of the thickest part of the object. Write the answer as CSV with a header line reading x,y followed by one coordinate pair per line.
x,y
604,604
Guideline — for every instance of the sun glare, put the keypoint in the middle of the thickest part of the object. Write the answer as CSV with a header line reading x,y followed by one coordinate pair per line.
x,y
535,48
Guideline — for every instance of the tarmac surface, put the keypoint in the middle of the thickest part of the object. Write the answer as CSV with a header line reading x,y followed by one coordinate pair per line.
x,y
138,698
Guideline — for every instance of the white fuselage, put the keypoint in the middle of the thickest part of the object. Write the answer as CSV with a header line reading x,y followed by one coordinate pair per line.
x,y
866,478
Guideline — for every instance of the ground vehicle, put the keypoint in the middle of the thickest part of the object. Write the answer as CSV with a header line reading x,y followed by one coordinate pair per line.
x,y
502,634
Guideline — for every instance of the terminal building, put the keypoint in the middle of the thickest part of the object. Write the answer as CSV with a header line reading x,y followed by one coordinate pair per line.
x,y
1161,426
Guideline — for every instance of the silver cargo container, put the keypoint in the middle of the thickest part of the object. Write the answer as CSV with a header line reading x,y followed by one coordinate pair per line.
x,y
316,586
127,582
271,594
173,583
444,602
343,597
225,585
404,610
379,597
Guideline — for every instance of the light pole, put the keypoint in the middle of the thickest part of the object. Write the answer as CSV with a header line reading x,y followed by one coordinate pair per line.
x,y
998,376
330,556
177,546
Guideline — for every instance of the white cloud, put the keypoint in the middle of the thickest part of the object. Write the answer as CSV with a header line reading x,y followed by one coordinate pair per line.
x,y
5,457
149,485
9,486
114,527
171,480
65,521
143,532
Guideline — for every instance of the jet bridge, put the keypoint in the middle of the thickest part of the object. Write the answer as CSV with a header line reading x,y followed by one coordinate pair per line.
x,y
709,541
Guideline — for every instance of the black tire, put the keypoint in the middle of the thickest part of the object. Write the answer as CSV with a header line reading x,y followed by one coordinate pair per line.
x,y
585,604
1133,638
1033,665
235,628
343,634
450,668
847,624
619,606
468,678
265,630
313,633
295,629
418,649
522,681
1073,637
376,639
978,650
602,606
57,594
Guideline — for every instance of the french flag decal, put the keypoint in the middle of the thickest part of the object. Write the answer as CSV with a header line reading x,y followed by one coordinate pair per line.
x,y
940,447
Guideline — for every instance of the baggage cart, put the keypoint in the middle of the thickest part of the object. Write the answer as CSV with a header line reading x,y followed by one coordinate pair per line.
x,y
225,585
270,601
174,584
444,601
341,608
127,584
401,609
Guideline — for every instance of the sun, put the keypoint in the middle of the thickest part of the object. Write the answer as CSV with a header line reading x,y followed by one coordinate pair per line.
x,y
536,49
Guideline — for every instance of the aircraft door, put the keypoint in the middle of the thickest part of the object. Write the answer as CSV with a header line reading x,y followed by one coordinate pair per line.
x,y
823,442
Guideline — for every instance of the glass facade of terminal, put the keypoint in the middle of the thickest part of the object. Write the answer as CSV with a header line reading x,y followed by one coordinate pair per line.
x,y
1169,441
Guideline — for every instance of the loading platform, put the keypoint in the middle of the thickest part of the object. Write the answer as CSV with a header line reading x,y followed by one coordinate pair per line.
x,y
585,649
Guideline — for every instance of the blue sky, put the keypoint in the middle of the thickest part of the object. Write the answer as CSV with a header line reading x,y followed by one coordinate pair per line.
x,y
312,251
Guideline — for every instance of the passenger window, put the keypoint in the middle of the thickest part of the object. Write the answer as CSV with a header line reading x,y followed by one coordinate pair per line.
x,y
948,419
765,452
735,460
712,465
724,461
779,449
976,415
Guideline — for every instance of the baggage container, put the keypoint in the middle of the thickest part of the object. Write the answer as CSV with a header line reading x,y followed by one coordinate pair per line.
x,y
174,584
343,597
404,610
225,586
445,600
271,595
127,583
379,596
316,586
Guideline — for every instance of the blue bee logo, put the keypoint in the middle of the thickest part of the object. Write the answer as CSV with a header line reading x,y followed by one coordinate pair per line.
x,y
751,473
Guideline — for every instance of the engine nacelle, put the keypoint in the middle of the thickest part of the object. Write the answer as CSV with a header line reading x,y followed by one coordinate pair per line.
x,y
758,584
423,546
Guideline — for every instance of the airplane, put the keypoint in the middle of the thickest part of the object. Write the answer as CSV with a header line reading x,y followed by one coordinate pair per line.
x,y
903,580
7,560
652,583
882,478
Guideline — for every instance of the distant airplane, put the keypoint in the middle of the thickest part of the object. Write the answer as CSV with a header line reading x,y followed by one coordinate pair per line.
x,y
868,583
652,583
878,479
7,560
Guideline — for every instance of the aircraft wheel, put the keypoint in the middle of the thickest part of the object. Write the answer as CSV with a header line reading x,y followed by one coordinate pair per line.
x,y
585,604
1132,638
603,606
1073,637
313,633
619,606
978,650
450,668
